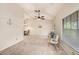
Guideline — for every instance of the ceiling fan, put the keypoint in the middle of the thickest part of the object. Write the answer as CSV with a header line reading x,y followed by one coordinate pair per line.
x,y
38,15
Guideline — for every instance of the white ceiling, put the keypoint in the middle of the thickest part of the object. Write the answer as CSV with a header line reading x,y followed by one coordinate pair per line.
x,y
49,10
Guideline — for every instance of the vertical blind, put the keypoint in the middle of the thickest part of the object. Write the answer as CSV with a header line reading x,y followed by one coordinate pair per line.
x,y
72,21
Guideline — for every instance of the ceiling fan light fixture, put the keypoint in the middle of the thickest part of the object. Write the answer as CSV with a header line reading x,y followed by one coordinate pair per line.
x,y
38,15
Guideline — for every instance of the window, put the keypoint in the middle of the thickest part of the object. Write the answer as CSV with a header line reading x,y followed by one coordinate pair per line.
x,y
72,21
65,23
68,22
78,19
71,30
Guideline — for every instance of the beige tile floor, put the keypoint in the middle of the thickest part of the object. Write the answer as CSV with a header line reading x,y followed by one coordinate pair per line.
x,y
33,45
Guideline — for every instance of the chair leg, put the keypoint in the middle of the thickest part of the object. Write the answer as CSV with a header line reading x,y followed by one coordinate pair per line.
x,y
58,45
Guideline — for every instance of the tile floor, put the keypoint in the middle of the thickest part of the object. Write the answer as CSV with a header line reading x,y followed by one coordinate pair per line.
x,y
33,45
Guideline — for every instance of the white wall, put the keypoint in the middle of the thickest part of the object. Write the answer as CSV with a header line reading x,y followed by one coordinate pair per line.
x,y
10,34
47,26
33,25
66,10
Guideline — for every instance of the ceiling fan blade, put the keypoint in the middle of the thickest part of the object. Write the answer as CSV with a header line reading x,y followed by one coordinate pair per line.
x,y
42,17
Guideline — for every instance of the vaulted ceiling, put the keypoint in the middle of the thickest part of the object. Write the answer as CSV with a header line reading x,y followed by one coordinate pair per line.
x,y
49,10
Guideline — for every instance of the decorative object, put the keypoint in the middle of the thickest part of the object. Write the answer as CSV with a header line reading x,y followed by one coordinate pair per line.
x,y
24,21
39,26
26,32
38,15
54,27
9,22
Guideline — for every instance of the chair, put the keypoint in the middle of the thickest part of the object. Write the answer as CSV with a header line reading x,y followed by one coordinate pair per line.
x,y
54,40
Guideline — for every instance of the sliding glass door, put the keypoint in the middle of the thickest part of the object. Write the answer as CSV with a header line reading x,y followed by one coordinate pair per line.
x,y
71,21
